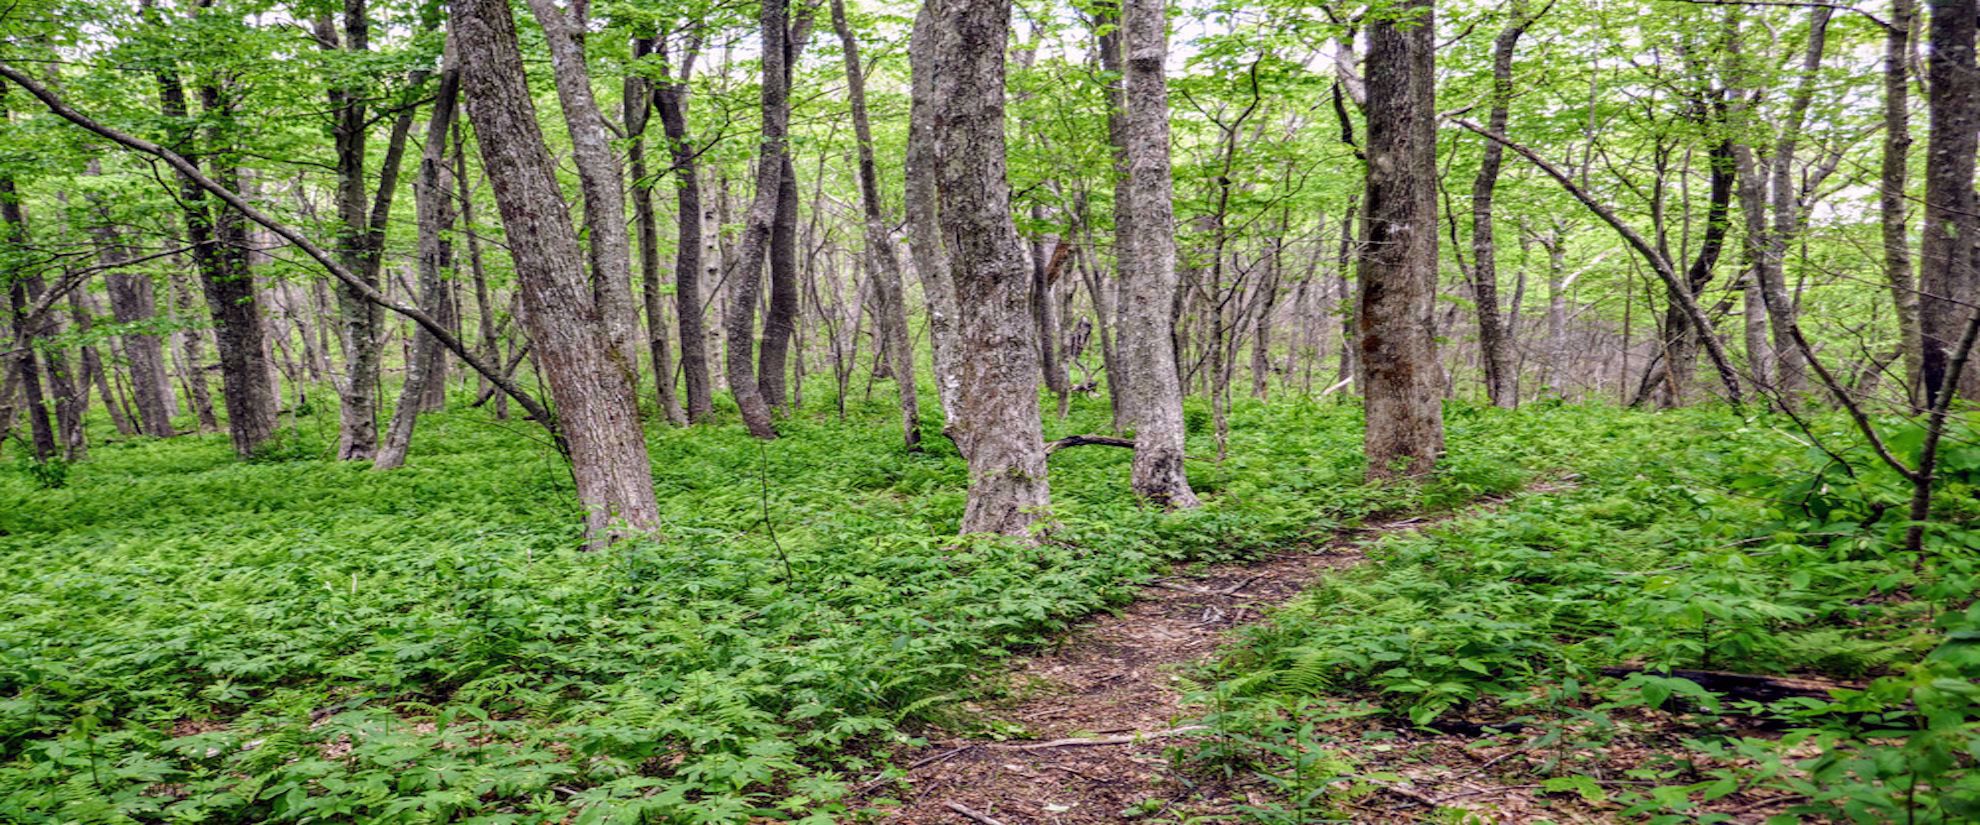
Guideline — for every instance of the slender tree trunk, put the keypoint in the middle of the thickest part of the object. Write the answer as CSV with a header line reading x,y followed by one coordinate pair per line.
x,y
1495,346
1951,223
638,93
1893,207
925,229
27,360
433,205
998,402
192,350
780,318
880,256
670,99
1403,379
595,404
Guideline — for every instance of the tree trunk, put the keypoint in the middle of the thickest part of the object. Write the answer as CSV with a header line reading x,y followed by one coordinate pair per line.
x,y
599,178
638,93
1495,346
1951,224
880,255
596,409
1403,381
1892,205
998,403
192,350
1146,243
925,238
780,319
434,211
746,280
670,98
26,361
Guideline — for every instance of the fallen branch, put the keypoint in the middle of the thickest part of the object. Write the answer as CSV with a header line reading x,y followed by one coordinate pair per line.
x,y
966,812
1745,685
370,293
1098,741
1087,440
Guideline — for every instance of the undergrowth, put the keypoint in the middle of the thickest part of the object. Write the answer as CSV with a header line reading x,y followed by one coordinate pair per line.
x,y
1691,540
189,638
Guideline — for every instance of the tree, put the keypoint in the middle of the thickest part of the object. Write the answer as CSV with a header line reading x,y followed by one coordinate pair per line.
x,y
1403,381
1144,223
670,99
1501,377
1952,227
997,403
595,407
880,255
747,279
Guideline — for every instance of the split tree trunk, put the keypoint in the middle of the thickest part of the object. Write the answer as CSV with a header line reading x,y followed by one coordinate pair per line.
x,y
638,93
434,211
747,278
595,406
670,98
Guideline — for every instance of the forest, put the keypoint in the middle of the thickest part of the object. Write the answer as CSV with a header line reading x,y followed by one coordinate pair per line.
x,y
989,412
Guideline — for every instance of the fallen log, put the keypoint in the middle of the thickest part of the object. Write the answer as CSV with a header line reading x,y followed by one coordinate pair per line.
x,y
1750,686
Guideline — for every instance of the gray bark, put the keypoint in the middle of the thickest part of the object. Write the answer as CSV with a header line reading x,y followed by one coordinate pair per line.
x,y
1146,242
596,409
997,406
880,255
1403,381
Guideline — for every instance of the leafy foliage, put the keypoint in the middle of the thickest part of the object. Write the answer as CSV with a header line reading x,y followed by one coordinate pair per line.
x,y
189,638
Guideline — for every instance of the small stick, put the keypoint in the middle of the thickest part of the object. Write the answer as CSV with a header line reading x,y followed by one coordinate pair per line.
x,y
966,812
1094,741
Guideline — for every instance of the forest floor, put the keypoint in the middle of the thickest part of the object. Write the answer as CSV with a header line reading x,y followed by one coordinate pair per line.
x,y
1095,728
1102,708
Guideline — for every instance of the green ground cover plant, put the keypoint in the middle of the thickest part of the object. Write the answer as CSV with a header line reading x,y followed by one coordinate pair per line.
x,y
1690,540
190,638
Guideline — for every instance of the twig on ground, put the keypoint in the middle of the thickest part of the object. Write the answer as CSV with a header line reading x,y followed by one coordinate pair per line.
x,y
966,812
1096,741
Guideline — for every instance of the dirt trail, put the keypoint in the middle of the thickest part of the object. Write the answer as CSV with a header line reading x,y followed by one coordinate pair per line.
x,y
1102,706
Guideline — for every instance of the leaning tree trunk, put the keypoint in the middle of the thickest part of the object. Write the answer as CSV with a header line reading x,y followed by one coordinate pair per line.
x,y
595,405
1403,381
1146,244
1951,223
433,207
880,256
746,287
1501,378
997,406
26,361
670,98
599,177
